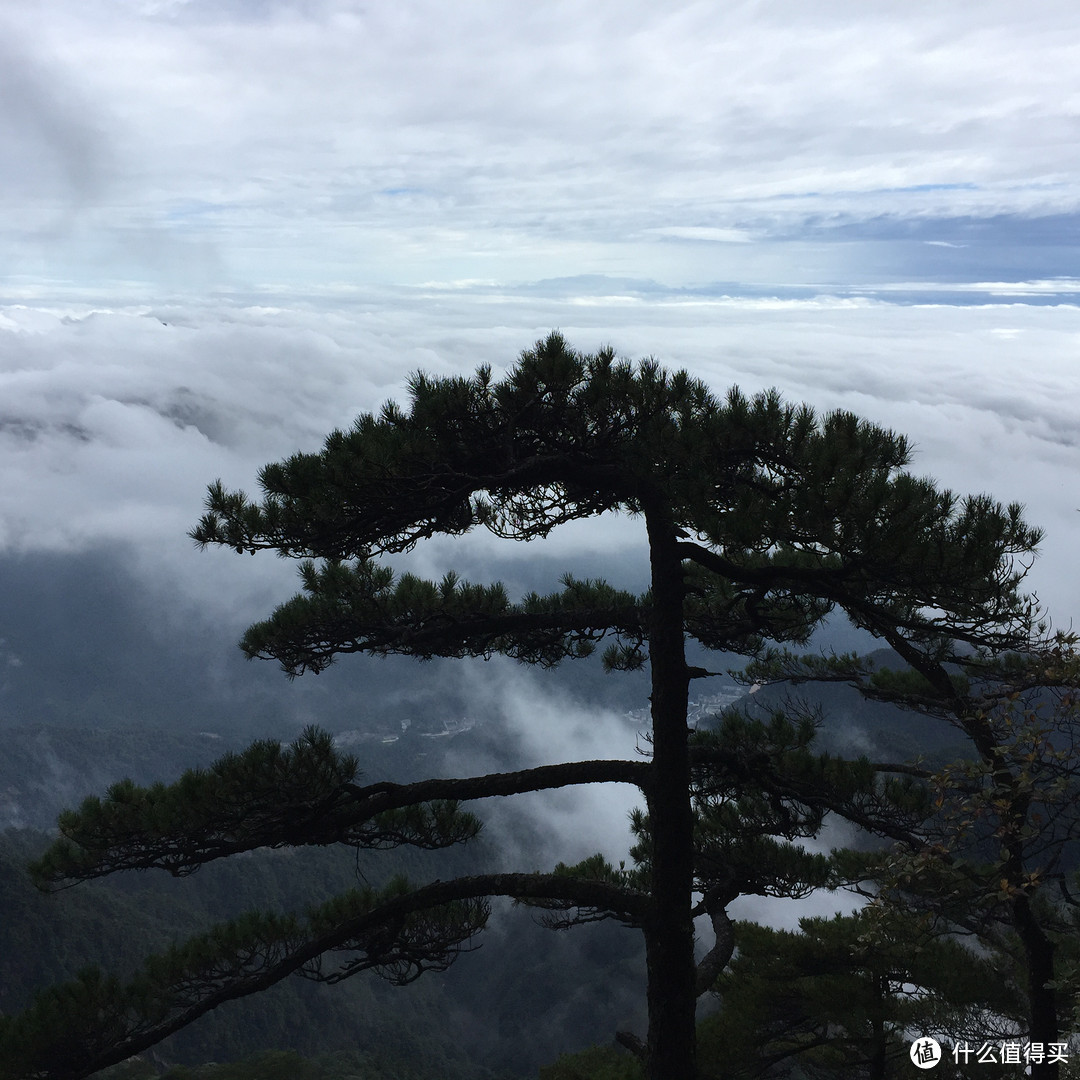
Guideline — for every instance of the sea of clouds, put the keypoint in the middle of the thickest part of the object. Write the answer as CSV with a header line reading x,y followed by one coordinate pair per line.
x,y
114,419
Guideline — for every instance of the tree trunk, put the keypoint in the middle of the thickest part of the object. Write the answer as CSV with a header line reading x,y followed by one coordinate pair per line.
x,y
1043,1024
878,1038
669,933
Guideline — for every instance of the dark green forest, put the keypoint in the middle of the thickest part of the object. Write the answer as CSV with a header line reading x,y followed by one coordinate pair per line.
x,y
497,1013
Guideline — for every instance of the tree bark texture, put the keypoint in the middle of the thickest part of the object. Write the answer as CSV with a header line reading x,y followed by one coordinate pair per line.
x,y
669,933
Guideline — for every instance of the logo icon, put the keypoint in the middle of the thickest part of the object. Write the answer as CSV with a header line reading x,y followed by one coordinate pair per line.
x,y
925,1052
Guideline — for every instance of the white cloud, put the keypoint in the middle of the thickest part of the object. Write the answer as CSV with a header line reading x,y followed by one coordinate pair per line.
x,y
545,724
112,423
319,141
704,232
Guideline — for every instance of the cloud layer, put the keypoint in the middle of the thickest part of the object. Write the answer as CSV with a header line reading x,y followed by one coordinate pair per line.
x,y
320,140
113,421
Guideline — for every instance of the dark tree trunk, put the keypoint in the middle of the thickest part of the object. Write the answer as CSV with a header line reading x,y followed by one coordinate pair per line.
x,y
1043,1024
878,1039
669,933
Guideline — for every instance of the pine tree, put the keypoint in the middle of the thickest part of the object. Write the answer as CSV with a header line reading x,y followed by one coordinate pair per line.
x,y
843,997
760,518
984,845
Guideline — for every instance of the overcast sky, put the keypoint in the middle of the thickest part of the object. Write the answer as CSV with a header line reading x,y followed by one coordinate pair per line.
x,y
247,142
229,225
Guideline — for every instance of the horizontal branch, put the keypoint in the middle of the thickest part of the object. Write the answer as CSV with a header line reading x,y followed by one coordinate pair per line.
x,y
545,638
364,607
893,600
821,580
388,796
199,819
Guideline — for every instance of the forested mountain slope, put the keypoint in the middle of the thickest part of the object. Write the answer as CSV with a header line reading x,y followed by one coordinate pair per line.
x,y
524,997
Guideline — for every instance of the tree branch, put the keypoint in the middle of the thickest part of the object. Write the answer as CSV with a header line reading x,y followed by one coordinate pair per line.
x,y
199,819
123,1019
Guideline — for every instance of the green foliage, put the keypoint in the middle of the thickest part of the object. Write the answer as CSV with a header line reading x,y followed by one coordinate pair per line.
x,y
270,795
363,608
828,1000
96,1017
790,512
984,844
564,913
759,788
998,857
596,1063
845,991
482,1019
